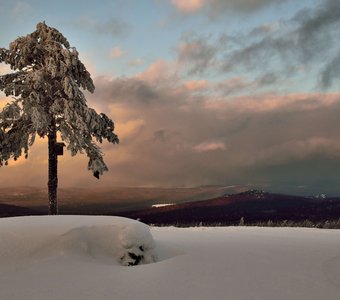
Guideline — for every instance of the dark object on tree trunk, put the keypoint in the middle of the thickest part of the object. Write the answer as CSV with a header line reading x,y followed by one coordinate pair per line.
x,y
96,174
52,171
59,148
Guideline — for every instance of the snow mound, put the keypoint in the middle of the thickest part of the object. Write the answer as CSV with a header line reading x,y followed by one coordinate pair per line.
x,y
81,257
108,240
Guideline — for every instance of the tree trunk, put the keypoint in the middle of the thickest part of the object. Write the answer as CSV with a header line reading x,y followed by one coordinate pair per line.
x,y
52,170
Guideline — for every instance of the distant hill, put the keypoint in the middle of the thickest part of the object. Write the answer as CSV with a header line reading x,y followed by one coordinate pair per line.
x,y
253,205
13,210
225,205
109,200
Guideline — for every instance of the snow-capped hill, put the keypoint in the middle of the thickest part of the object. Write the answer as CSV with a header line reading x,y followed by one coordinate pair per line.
x,y
320,196
257,193
252,205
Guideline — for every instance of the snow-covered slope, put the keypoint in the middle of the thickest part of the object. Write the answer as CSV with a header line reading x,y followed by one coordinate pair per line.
x,y
78,257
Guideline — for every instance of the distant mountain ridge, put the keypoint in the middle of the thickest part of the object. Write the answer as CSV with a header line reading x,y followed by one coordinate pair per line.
x,y
13,210
208,205
109,200
252,205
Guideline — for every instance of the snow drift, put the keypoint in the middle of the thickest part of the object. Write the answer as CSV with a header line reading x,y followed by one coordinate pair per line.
x,y
81,257
110,240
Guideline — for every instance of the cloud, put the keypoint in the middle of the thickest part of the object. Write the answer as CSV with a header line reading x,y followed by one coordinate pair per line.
x,y
164,135
259,54
154,86
159,72
266,79
4,69
242,85
233,85
136,62
310,36
330,72
30,171
197,53
116,52
209,146
87,61
3,101
114,27
298,150
264,29
307,42
196,85
20,9
316,27
173,136
123,90
187,139
130,128
216,8
159,135
188,6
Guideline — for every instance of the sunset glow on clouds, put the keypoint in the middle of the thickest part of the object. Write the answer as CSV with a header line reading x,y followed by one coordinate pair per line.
x,y
223,92
188,6
116,52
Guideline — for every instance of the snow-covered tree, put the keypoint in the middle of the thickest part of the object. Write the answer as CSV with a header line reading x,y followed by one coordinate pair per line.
x,y
45,88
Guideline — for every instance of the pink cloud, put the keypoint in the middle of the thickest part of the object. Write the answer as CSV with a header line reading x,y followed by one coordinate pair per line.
x,y
188,6
209,146
159,71
218,7
117,52
196,85
274,102
4,69
3,101
89,65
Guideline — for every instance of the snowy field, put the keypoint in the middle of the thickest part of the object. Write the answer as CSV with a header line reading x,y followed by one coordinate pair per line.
x,y
81,257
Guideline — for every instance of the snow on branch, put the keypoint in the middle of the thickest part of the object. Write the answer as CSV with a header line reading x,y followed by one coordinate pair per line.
x,y
47,85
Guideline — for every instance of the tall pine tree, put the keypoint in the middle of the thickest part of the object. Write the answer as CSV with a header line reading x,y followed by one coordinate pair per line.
x,y
45,87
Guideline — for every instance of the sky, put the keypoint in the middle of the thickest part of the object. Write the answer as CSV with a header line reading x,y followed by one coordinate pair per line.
x,y
202,92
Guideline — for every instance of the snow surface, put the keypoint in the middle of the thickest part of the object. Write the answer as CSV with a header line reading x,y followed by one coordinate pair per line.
x,y
161,205
78,257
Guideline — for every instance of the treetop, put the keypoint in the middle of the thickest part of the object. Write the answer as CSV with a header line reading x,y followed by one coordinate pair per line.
x,y
45,85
